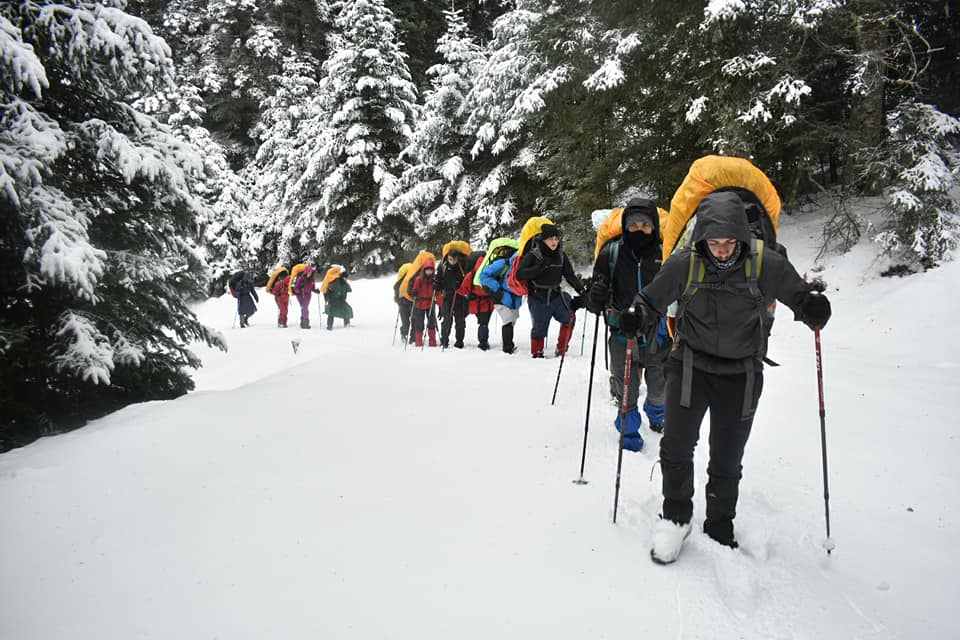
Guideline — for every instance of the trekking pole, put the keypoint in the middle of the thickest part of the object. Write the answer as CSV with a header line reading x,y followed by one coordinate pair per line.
x,y
413,309
396,323
627,365
606,348
828,543
563,356
233,325
583,335
586,420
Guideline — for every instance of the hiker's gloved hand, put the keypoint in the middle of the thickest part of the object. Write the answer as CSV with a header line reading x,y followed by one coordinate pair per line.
x,y
815,310
578,303
633,320
597,297
497,295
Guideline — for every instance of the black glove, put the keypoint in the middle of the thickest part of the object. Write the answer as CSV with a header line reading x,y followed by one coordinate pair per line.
x,y
597,297
815,310
633,320
578,303
497,295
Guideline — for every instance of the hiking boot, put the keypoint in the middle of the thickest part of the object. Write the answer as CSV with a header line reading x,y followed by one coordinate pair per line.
x,y
668,537
536,347
444,343
304,323
721,531
458,344
655,415
483,346
656,428
509,348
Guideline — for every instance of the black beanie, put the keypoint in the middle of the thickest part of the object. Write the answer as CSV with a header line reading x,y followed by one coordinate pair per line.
x,y
549,231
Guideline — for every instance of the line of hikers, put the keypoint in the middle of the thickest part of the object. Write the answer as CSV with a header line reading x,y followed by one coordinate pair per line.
x,y
299,282
688,296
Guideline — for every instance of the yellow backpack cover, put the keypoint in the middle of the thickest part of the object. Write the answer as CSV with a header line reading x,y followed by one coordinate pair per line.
x,y
707,175
332,274
413,270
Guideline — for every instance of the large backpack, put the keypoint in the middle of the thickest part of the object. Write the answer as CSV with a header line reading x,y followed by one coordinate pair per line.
x,y
499,248
761,202
278,274
531,229
332,274
412,272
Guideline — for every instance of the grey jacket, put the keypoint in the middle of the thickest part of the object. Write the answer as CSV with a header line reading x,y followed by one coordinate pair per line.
x,y
723,324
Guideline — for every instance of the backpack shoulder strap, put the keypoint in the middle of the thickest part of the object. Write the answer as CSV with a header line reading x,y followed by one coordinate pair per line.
x,y
614,254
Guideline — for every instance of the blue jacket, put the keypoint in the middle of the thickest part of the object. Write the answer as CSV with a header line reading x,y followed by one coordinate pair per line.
x,y
494,278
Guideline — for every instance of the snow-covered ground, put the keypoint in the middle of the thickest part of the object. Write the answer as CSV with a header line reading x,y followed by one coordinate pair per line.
x,y
357,490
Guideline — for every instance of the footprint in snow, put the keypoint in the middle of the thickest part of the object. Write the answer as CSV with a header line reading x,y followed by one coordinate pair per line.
x,y
736,582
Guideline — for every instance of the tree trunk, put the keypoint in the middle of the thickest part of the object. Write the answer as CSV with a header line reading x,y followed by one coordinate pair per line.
x,y
867,127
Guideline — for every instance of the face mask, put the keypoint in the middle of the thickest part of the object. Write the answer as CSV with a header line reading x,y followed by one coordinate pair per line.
x,y
638,240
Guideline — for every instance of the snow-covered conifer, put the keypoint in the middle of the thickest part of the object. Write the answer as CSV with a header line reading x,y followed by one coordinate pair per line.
x,y
99,215
362,117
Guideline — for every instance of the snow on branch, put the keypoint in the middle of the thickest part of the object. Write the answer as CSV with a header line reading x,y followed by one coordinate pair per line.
x,y
60,245
88,353
20,65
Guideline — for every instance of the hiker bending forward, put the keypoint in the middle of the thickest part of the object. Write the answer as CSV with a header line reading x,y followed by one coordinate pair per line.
x,y
723,284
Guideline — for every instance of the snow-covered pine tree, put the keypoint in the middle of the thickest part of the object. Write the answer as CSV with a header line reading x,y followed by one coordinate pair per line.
x,y
919,162
98,210
507,105
436,189
361,120
268,232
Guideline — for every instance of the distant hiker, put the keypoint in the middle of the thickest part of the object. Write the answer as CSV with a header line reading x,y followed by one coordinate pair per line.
x,y
420,290
241,286
724,282
302,286
404,306
478,300
335,289
544,266
625,264
453,308
279,287
493,278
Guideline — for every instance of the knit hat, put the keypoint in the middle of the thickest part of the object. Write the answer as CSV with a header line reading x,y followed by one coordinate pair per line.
x,y
639,210
549,231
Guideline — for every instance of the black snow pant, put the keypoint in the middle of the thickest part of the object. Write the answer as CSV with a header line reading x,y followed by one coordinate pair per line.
x,y
458,317
405,307
419,315
729,430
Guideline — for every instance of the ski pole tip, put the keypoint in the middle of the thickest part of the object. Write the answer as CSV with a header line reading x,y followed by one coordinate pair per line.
x,y
829,545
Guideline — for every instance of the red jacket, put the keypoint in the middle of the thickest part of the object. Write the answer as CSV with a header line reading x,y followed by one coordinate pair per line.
x,y
421,288
478,297
281,289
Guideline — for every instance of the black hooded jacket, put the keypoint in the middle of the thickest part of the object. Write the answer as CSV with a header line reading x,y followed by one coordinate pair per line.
x,y
723,324
633,270
544,269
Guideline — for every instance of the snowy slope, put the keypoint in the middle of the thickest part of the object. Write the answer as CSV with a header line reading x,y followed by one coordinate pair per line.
x,y
357,490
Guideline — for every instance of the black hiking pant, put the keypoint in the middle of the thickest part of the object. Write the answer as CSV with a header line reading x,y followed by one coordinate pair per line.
x,y
458,317
405,308
729,430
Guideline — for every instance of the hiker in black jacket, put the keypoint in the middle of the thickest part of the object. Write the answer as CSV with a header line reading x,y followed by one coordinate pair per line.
x,y
544,267
723,283
636,256
453,309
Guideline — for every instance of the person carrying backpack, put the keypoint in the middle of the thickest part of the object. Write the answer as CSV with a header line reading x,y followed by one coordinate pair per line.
x,y
404,306
724,282
624,266
493,279
478,300
335,289
420,290
302,286
279,287
453,307
544,266
241,286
